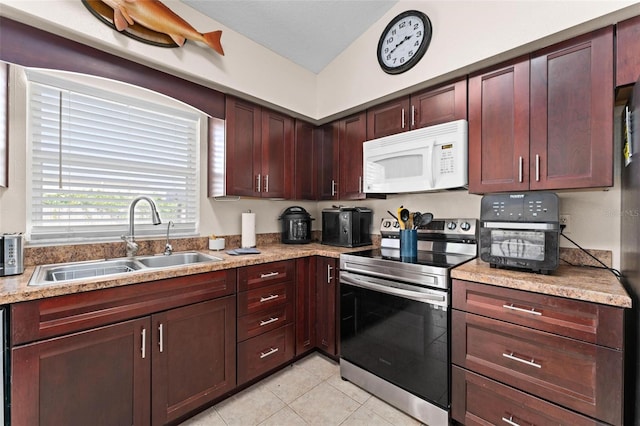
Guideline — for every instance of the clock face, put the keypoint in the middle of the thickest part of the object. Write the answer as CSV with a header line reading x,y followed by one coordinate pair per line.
x,y
404,41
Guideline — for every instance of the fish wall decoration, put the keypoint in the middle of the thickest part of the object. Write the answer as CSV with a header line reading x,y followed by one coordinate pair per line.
x,y
152,22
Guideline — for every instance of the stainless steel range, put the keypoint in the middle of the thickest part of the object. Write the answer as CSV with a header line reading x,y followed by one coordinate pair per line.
x,y
395,316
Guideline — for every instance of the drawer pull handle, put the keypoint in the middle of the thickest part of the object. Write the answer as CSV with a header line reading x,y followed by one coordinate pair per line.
x,y
269,321
269,275
531,363
531,311
160,337
270,297
268,353
510,421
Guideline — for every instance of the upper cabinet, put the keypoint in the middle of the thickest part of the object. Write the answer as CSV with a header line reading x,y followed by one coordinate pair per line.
x,y
352,132
259,146
544,122
628,51
444,103
325,144
4,128
305,181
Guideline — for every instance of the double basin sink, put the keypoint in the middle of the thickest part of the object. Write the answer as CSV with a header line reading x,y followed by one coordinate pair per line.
x,y
60,273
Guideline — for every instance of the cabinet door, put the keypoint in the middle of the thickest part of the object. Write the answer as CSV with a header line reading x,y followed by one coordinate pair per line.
x,y
277,155
571,113
352,132
439,105
325,141
389,118
4,119
305,304
244,132
499,129
326,287
306,176
96,377
627,51
194,353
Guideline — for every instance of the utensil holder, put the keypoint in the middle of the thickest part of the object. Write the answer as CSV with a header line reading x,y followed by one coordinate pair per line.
x,y
408,244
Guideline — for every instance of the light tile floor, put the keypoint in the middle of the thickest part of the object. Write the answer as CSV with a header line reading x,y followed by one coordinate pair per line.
x,y
309,392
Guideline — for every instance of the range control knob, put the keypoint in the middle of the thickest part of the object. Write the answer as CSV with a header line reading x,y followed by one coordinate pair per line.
x,y
451,226
465,226
396,224
387,224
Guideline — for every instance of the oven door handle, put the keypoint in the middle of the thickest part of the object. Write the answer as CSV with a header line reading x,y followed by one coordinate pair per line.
x,y
432,297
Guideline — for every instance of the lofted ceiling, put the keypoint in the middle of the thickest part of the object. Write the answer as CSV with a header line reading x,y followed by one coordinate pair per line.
x,y
310,33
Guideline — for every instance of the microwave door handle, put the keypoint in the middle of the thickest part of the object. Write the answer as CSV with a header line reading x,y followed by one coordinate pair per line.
x,y
434,163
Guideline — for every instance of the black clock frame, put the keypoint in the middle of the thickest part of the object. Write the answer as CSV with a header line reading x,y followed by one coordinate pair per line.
x,y
428,31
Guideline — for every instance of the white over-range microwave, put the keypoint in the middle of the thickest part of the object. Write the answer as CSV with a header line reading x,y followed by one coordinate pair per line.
x,y
428,159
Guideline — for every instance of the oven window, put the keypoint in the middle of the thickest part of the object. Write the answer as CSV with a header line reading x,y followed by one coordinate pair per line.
x,y
527,245
400,340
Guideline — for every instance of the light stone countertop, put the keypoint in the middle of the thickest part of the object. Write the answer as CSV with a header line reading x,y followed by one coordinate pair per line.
x,y
15,288
580,283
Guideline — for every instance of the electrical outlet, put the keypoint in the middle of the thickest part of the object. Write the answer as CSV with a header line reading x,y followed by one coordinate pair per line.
x,y
565,220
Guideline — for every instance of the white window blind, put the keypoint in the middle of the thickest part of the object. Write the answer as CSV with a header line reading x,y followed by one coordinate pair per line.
x,y
93,152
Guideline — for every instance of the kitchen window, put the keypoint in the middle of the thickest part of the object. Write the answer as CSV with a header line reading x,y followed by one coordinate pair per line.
x,y
92,151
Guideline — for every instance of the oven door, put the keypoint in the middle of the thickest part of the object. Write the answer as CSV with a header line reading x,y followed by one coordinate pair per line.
x,y
398,332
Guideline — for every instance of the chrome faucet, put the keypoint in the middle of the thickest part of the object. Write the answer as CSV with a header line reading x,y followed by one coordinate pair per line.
x,y
132,246
167,247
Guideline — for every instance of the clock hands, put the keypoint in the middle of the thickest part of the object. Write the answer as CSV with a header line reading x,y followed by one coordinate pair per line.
x,y
397,45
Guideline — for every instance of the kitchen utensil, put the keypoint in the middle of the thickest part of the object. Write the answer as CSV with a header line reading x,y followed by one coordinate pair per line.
x,y
425,219
404,218
417,218
392,215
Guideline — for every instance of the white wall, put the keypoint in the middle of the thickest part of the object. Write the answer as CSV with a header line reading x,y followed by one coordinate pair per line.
x,y
467,34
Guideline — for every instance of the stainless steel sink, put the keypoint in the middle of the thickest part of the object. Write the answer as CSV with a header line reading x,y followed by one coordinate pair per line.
x,y
176,259
51,274
65,272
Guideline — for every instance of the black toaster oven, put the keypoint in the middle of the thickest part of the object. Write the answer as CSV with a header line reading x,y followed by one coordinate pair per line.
x,y
346,226
520,231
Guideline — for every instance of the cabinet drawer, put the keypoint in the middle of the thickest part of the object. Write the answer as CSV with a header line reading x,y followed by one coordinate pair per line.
x,y
265,352
590,322
476,400
263,321
263,298
265,274
577,375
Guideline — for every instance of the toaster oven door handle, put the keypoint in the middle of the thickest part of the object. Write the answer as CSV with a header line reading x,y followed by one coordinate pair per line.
x,y
530,226
432,297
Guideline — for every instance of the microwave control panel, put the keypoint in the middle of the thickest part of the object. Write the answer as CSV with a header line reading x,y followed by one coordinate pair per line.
x,y
520,207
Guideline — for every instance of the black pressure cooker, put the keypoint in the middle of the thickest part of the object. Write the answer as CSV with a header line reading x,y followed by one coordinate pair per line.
x,y
296,226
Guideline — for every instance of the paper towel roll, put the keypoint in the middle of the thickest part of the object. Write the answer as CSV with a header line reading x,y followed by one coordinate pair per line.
x,y
248,230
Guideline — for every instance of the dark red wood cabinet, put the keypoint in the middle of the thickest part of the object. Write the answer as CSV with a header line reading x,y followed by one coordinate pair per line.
x,y
352,133
305,304
544,122
266,309
142,354
534,357
306,177
326,313
260,152
432,106
628,51
326,154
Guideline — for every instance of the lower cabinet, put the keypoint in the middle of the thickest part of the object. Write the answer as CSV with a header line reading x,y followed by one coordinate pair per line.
x,y
534,359
326,312
152,369
96,377
266,338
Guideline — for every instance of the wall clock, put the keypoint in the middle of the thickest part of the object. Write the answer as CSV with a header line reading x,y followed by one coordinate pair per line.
x,y
404,41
